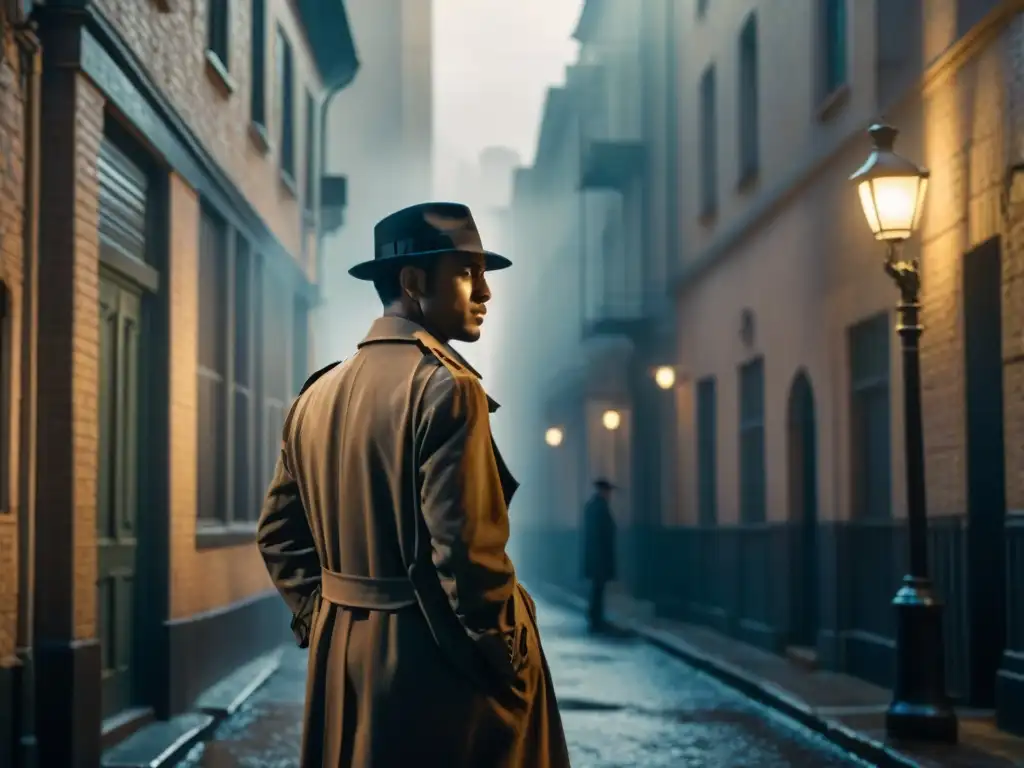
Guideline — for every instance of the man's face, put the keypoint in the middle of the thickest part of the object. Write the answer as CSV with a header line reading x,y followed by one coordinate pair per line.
x,y
453,304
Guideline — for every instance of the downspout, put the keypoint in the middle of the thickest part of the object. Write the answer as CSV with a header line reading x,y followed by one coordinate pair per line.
x,y
31,71
325,107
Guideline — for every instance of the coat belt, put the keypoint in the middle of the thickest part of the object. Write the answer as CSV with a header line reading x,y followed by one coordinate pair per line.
x,y
372,594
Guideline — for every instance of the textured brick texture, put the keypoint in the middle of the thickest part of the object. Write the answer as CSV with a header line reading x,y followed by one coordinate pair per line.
x,y
172,47
207,579
11,196
68,359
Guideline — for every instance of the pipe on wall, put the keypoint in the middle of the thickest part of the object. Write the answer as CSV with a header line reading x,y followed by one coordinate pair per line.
x,y
31,71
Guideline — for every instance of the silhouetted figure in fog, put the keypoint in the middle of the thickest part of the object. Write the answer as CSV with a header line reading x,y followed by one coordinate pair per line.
x,y
598,550
385,529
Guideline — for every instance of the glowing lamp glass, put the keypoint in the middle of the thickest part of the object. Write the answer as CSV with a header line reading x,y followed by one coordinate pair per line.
x,y
611,420
665,377
553,437
893,204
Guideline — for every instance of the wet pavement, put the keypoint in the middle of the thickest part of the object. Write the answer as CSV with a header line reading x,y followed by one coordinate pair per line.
x,y
624,704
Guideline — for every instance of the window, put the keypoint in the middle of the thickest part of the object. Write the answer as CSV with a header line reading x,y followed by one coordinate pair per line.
x,y
752,464
286,105
869,419
309,198
229,489
833,37
243,413
707,471
708,143
212,369
217,29
277,364
258,97
748,95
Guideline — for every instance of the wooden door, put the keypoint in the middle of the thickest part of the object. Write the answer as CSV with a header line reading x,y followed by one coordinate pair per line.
x,y
117,488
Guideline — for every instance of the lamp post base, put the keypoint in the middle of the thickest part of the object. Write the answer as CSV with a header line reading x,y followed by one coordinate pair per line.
x,y
920,710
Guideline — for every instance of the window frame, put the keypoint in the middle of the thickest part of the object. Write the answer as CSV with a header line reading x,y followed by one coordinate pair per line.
x,y
284,70
868,388
237,479
751,427
748,91
706,422
708,142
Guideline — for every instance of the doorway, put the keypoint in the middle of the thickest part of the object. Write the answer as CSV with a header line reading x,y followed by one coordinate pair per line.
x,y
131,525
986,470
117,486
803,511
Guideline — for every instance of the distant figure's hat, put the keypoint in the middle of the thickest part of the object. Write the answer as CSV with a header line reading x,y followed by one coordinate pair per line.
x,y
603,484
424,231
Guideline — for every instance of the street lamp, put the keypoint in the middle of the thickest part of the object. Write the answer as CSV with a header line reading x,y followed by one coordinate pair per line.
x,y
611,420
553,437
892,191
665,377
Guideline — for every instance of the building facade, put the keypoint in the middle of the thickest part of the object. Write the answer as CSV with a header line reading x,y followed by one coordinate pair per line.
x,y
19,153
782,519
180,205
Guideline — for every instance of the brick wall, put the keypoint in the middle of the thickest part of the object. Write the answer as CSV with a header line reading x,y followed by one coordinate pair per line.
x,y
11,190
172,47
200,580
1013,355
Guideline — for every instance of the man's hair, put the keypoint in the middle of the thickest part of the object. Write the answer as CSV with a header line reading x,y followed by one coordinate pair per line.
x,y
389,286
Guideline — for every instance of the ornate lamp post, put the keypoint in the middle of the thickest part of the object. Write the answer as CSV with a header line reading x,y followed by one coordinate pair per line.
x,y
892,191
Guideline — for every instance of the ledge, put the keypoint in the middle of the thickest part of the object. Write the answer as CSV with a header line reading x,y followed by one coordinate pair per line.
x,y
833,103
288,182
258,136
229,535
219,75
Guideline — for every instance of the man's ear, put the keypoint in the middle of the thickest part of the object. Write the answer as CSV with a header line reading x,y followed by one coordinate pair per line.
x,y
414,282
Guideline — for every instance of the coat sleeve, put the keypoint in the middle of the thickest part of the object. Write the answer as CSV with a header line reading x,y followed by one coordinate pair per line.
x,y
464,510
286,543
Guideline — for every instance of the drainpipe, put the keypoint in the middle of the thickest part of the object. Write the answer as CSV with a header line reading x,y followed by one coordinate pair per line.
x,y
322,165
31,72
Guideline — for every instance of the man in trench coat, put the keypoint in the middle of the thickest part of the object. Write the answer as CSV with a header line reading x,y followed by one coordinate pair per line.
x,y
599,532
385,525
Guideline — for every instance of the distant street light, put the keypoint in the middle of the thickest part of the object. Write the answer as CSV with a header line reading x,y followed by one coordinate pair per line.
x,y
553,437
611,420
665,377
892,191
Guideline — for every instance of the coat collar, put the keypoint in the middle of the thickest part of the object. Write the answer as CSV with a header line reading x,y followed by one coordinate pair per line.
x,y
392,329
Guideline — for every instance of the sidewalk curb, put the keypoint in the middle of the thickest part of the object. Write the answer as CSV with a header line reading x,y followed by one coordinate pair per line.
x,y
763,692
163,743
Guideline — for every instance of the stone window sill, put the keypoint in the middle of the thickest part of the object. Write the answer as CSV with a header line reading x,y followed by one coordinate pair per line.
x,y
833,103
215,536
258,136
288,182
218,73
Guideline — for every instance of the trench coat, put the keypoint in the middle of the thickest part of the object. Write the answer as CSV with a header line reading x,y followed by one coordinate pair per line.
x,y
599,531
384,529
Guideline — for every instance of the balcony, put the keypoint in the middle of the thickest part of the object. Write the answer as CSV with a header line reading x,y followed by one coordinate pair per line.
x,y
333,201
611,164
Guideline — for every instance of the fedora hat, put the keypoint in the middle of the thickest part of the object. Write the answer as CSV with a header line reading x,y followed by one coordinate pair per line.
x,y
604,484
421,232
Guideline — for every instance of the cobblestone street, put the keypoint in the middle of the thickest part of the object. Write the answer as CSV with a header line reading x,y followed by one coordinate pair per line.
x,y
624,703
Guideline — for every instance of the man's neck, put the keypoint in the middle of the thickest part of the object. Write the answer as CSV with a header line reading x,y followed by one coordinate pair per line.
x,y
415,317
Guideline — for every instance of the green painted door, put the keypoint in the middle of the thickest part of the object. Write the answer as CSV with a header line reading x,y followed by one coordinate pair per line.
x,y
117,488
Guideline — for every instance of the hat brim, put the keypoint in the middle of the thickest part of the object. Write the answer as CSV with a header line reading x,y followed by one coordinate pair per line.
x,y
368,270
